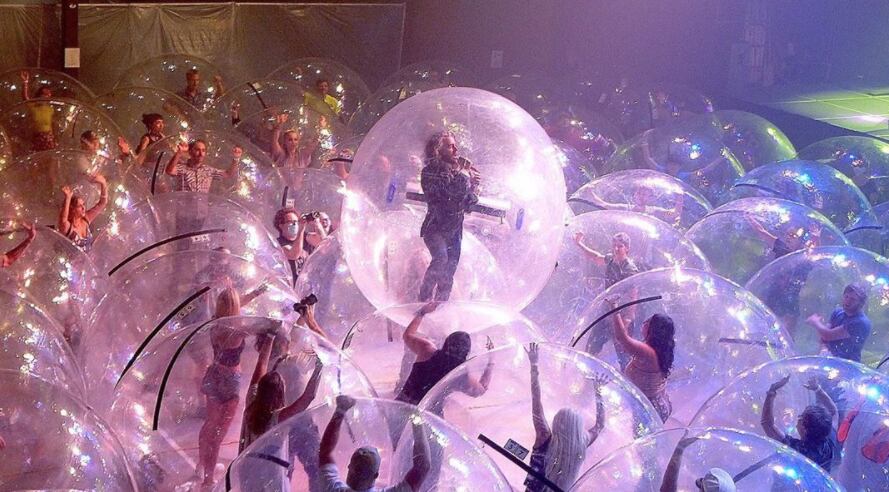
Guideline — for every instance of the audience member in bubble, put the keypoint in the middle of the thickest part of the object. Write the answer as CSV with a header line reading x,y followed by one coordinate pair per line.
x,y
641,203
74,219
618,266
864,437
450,184
849,326
792,238
318,227
321,100
783,295
433,363
196,175
154,132
716,479
650,359
364,466
192,91
559,449
291,229
218,275
15,253
815,425
42,115
286,149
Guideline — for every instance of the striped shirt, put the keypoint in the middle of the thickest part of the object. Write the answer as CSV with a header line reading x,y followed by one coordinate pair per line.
x,y
198,179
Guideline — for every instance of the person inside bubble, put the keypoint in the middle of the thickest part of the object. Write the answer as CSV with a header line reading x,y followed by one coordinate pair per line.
x,y
196,175
291,229
815,425
661,108
321,100
450,184
318,227
11,256
559,450
192,92
651,359
849,327
364,466
715,480
618,265
432,364
864,437
286,149
154,132
791,238
42,115
74,219
641,202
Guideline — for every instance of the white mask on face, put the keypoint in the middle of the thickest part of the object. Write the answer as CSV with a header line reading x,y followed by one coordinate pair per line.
x,y
291,229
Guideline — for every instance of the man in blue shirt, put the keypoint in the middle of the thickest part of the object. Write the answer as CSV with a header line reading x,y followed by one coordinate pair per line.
x,y
849,327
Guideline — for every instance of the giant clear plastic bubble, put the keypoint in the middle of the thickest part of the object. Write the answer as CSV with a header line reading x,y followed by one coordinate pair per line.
x,y
517,223
31,343
812,281
815,185
53,441
185,221
347,90
5,150
40,200
576,167
338,159
169,72
874,238
161,403
384,99
686,152
643,191
750,461
720,330
55,274
127,105
637,107
578,278
582,129
504,411
256,96
326,274
754,140
163,296
859,394
60,83
742,236
441,72
532,92
457,463
375,343
58,123
864,160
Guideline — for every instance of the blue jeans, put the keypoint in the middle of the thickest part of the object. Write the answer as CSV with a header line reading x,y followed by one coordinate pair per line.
x,y
444,246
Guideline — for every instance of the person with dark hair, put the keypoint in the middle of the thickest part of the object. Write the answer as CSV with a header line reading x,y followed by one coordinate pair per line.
x,y
195,175
849,327
364,466
321,100
650,359
15,253
433,364
154,126
450,184
291,229
42,115
560,449
74,219
815,425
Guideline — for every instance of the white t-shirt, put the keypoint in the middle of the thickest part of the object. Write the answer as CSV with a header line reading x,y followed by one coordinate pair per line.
x,y
330,482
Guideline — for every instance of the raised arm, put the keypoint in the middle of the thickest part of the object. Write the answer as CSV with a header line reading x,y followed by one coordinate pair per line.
x,y
26,85
172,166
597,257
421,346
542,431
97,209
758,227
599,380
235,166
768,417
63,224
312,323
262,361
277,150
305,399
253,294
821,397
332,432
421,460
671,474
630,344
14,254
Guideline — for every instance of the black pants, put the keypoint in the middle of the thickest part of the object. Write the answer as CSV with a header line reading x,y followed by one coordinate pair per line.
x,y
444,246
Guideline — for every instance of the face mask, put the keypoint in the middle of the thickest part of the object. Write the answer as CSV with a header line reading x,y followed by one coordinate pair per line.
x,y
291,229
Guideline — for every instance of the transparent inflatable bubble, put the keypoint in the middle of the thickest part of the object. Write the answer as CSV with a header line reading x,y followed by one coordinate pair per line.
x,y
811,282
815,185
576,168
55,274
170,72
567,380
254,97
858,393
385,98
60,84
720,330
338,159
637,107
434,71
375,343
164,295
58,123
127,106
533,92
754,140
326,274
5,150
864,160
345,93
180,221
40,200
643,191
692,155
456,461
579,276
581,128
516,222
746,460
167,396
742,236
875,238
32,343
53,441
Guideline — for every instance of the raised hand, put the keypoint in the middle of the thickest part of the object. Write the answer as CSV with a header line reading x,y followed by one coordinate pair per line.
x,y
31,229
67,191
344,403
26,76
123,146
812,384
428,308
779,384
599,379
489,344
237,152
533,352
182,147
98,179
578,237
